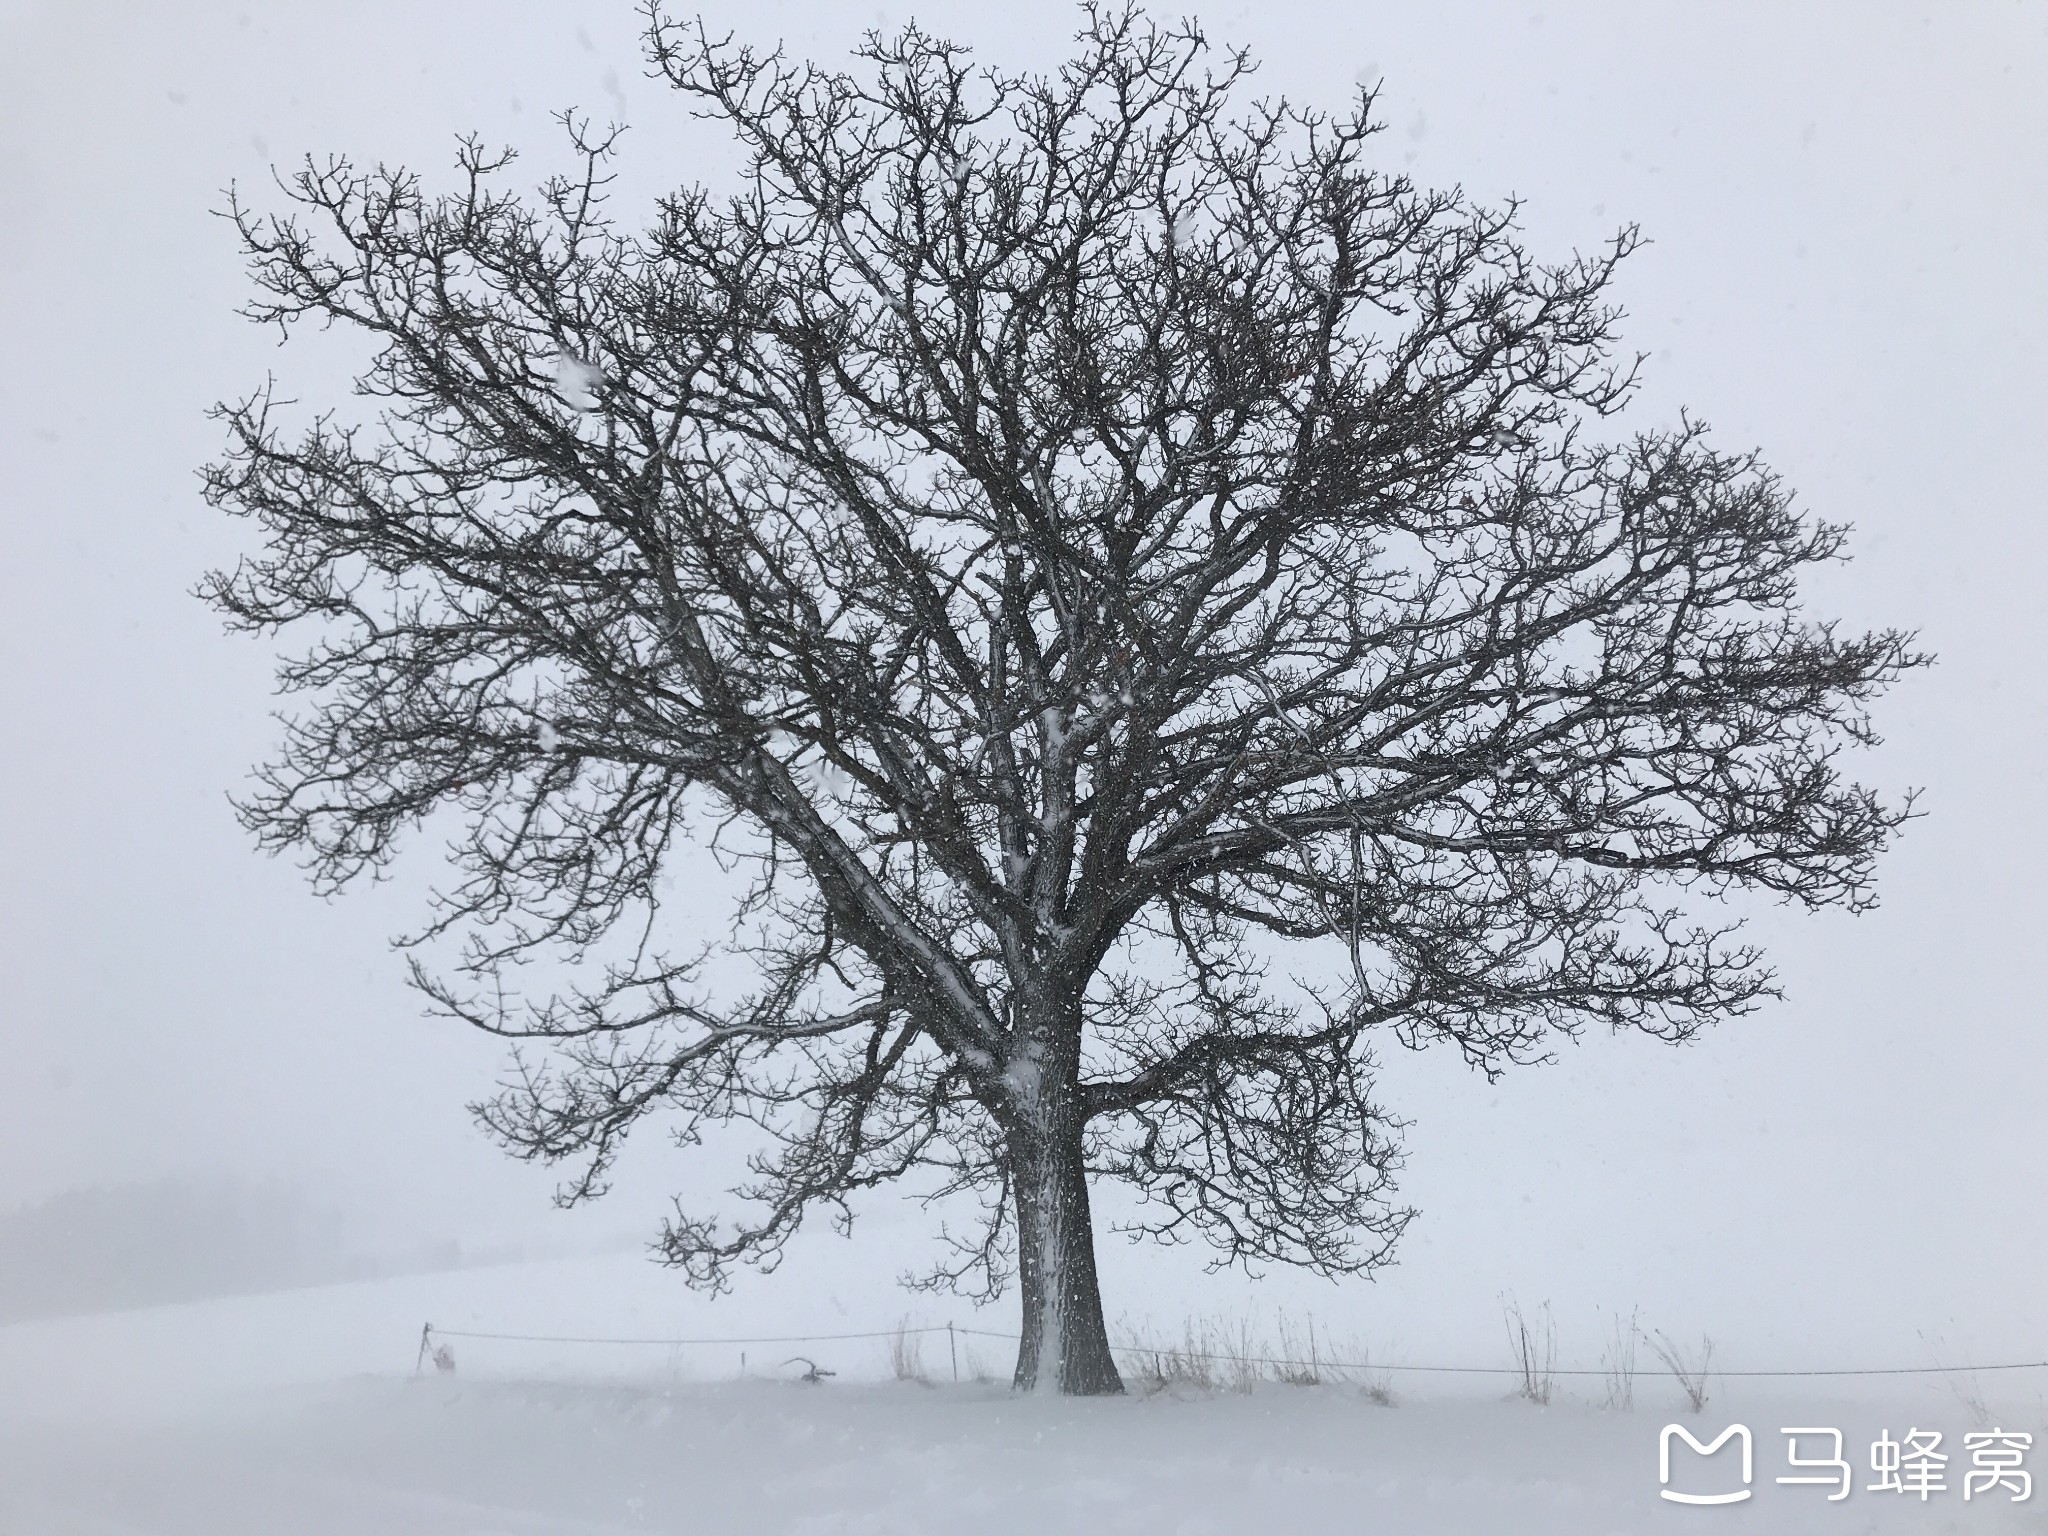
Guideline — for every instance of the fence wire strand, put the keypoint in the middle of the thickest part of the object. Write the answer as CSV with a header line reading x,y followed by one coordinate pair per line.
x,y
1202,1354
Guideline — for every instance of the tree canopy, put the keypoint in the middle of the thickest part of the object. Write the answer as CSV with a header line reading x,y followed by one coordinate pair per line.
x,y
1078,539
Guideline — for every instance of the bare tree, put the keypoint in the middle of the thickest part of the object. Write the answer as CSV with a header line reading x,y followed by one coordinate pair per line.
x,y
1076,540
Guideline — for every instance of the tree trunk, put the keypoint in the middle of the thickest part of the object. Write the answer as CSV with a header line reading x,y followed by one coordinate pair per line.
x,y
1065,1345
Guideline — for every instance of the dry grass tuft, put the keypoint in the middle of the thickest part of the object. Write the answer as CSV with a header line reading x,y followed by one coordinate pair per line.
x,y
1619,1362
1220,1356
1690,1371
906,1354
1535,1350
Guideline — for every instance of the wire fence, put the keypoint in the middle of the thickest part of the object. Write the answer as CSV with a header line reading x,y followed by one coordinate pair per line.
x,y
1183,1351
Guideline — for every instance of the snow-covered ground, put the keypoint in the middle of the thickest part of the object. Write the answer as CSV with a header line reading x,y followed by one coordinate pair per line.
x,y
298,1414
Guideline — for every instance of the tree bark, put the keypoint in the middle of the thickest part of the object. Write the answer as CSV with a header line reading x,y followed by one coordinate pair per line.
x,y
1065,1344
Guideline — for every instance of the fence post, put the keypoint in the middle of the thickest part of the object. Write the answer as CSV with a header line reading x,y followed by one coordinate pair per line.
x,y
953,1349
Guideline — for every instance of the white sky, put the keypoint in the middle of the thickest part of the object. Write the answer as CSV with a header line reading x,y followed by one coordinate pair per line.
x,y
1847,208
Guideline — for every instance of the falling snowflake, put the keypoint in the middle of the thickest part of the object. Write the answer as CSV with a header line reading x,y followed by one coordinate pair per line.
x,y
577,381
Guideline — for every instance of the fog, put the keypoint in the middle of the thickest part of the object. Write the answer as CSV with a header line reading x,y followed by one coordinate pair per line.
x,y
1846,214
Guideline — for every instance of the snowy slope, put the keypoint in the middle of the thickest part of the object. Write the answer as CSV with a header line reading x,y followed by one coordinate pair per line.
x,y
297,1415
